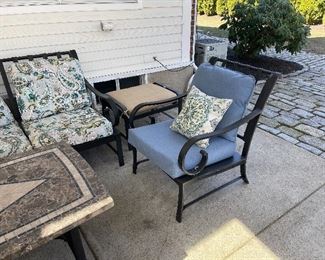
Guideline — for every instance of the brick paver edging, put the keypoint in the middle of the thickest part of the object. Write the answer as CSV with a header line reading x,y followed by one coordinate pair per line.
x,y
296,109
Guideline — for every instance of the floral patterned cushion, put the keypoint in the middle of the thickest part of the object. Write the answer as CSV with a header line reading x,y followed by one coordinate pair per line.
x,y
200,115
73,127
12,140
45,87
5,114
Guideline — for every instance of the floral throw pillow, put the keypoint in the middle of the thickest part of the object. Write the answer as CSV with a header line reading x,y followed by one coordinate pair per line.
x,y
5,114
200,115
45,87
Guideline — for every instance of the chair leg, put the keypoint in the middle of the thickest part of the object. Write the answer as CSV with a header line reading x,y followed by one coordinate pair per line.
x,y
127,127
152,120
180,206
119,150
135,160
243,173
180,105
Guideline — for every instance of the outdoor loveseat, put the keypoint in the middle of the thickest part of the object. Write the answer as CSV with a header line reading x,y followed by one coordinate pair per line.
x,y
184,161
51,101
12,138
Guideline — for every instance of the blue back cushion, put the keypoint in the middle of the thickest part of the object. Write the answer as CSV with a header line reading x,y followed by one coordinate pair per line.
x,y
224,83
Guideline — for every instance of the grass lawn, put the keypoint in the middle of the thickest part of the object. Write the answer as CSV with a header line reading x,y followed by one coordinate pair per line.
x,y
316,41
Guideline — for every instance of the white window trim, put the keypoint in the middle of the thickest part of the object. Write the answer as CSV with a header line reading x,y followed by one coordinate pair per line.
x,y
70,8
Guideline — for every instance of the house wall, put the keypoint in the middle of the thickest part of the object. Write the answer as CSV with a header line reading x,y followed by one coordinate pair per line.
x,y
160,28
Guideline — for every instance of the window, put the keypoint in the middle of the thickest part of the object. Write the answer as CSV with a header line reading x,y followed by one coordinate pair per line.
x,y
35,6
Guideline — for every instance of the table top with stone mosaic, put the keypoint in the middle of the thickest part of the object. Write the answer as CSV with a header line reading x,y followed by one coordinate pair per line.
x,y
44,194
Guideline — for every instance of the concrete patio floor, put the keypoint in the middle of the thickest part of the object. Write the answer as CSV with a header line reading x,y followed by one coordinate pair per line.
x,y
280,214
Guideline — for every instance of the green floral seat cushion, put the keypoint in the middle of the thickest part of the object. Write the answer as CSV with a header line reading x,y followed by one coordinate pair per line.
x,y
73,127
200,115
12,140
45,87
5,114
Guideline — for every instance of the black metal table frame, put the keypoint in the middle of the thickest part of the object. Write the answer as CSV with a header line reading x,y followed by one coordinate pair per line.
x,y
74,240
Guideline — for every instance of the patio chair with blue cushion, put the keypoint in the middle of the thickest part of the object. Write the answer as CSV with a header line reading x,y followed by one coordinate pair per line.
x,y
182,158
12,138
52,102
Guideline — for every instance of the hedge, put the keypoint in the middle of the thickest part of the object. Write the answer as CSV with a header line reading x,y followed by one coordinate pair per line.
x,y
200,8
207,7
232,3
312,10
221,7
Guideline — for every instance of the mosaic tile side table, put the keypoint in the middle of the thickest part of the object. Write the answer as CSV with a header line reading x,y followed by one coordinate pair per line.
x,y
46,194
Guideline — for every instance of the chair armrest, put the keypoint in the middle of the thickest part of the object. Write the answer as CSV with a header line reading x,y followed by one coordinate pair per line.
x,y
108,100
154,103
187,146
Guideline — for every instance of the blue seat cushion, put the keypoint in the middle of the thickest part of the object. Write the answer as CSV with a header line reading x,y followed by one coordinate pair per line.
x,y
162,146
225,83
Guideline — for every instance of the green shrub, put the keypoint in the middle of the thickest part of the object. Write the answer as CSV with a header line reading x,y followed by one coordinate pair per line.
x,y
312,10
209,7
221,7
324,19
256,25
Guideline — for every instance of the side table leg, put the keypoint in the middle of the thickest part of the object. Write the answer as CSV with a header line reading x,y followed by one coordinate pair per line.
x,y
73,238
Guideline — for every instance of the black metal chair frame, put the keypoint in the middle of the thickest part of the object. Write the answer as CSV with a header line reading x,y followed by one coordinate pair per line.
x,y
202,171
167,104
113,116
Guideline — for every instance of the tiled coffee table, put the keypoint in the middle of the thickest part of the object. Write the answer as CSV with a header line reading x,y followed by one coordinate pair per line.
x,y
46,194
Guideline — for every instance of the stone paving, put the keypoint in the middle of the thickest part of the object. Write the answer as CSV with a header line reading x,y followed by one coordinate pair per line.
x,y
296,108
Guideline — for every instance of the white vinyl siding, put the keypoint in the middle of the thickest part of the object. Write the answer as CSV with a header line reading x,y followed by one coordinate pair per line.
x,y
11,3
47,6
25,3
97,1
158,28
